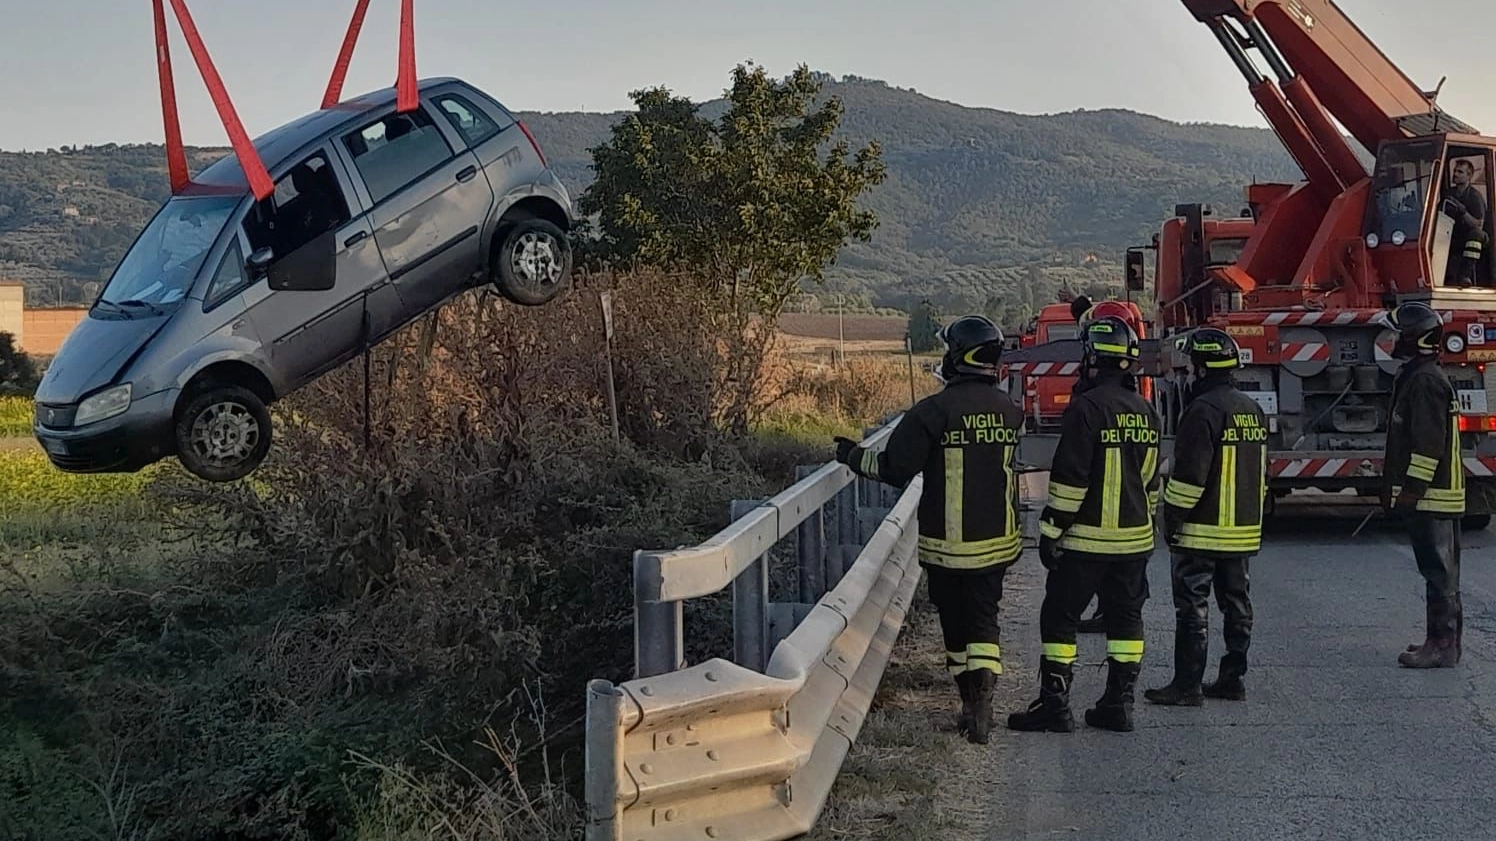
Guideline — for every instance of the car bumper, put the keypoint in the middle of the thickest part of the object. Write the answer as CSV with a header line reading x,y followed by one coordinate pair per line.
x,y
124,443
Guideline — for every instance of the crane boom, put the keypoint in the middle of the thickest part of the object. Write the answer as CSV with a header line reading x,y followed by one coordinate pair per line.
x,y
1356,82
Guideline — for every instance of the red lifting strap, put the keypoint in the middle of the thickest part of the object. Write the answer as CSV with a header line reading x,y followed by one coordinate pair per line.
x,y
407,96
176,156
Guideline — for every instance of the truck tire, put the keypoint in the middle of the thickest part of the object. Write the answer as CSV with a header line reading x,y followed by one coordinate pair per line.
x,y
1475,522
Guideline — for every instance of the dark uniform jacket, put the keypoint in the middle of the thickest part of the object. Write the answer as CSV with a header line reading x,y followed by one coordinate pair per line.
x,y
1213,504
963,440
1103,480
1423,439
1475,205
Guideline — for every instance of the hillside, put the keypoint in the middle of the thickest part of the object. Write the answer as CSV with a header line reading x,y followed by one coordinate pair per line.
x,y
978,202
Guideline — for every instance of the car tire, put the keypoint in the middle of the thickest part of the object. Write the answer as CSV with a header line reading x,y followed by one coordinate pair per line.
x,y
223,433
533,263
1475,522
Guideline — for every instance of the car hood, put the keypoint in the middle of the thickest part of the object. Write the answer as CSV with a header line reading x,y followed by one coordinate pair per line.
x,y
94,354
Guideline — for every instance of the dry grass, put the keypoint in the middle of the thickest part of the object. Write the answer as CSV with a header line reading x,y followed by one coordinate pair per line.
x,y
856,328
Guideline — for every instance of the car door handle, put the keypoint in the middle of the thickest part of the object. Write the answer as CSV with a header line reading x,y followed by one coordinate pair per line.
x,y
467,173
355,239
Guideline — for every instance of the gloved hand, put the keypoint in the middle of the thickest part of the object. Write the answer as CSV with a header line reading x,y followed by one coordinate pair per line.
x,y
1453,207
1049,552
1406,501
1385,498
844,447
1172,526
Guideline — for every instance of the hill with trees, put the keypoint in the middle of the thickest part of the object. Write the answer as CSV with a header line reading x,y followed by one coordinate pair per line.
x,y
977,205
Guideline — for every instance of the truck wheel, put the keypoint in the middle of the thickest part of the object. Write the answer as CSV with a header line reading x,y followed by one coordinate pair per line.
x,y
1475,522
223,433
532,264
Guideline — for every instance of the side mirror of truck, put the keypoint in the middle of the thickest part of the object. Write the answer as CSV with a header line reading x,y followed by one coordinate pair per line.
x,y
1136,282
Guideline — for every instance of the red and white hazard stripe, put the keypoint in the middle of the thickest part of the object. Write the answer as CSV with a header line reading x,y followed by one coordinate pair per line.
x,y
1304,319
1385,342
1339,468
1305,352
1040,369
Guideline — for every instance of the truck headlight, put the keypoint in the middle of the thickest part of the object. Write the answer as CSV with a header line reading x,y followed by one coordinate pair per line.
x,y
104,405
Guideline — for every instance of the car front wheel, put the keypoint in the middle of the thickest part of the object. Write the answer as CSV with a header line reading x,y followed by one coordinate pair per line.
x,y
532,263
223,433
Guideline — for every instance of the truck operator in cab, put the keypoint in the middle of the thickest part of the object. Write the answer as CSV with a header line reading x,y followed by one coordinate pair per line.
x,y
1467,206
963,440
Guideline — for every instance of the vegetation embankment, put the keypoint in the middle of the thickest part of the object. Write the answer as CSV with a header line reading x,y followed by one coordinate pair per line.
x,y
389,641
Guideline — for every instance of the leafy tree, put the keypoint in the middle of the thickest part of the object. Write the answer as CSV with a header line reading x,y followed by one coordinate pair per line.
x,y
750,205
924,328
17,371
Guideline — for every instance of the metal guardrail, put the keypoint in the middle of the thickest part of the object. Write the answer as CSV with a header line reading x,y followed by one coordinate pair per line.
x,y
750,749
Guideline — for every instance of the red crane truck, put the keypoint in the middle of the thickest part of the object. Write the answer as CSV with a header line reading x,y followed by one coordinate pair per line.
x,y
1322,257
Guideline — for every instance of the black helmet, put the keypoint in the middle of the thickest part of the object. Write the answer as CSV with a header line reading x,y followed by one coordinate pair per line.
x,y
1418,329
1210,348
1079,307
973,346
1111,342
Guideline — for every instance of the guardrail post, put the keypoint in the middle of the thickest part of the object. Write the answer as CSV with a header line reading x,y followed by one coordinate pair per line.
x,y
810,547
659,629
750,605
847,540
604,764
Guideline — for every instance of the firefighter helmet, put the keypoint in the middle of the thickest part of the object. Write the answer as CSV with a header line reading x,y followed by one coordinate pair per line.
x,y
1211,348
973,346
1418,328
1111,342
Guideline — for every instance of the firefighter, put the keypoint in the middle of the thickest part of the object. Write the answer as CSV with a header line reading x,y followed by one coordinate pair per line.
x,y
964,441
1096,533
1213,507
1467,206
1425,477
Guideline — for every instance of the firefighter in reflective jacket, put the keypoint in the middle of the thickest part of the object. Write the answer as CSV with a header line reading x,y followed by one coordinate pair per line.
x,y
1425,477
963,440
1213,507
1096,534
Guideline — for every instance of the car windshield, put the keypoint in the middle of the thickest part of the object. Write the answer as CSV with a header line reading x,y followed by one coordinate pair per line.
x,y
161,266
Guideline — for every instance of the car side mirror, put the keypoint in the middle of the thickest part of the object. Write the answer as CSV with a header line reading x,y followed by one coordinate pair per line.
x,y
1136,282
259,262
310,268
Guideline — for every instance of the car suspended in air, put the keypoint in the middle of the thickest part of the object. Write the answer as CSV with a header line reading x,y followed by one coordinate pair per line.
x,y
295,254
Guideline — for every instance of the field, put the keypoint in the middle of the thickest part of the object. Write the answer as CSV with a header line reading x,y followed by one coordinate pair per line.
x,y
15,418
811,332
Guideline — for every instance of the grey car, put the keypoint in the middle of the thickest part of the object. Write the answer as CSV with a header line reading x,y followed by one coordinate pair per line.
x,y
224,304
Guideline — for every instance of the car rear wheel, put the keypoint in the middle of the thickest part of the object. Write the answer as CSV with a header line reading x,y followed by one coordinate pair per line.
x,y
532,263
223,433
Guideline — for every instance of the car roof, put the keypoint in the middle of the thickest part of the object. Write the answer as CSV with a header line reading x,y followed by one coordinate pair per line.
x,y
279,145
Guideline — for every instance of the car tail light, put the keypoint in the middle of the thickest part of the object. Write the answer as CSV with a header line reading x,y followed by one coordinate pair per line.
x,y
533,143
1478,423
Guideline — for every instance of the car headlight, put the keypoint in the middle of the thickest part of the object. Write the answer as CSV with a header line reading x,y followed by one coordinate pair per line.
x,y
104,405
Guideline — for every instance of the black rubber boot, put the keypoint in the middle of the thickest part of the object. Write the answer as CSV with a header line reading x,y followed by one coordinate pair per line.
x,y
968,701
1189,670
1051,711
1439,654
981,711
1114,710
1228,684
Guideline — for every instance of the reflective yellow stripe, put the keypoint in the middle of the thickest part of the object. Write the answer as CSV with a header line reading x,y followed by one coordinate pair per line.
x,y
955,662
971,554
1050,530
1125,651
1150,465
1010,510
955,493
1183,494
1443,501
1060,652
1232,539
1111,489
870,463
1067,498
1226,513
1422,467
1133,540
984,655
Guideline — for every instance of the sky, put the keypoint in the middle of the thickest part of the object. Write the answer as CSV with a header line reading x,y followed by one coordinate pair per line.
x,y
82,71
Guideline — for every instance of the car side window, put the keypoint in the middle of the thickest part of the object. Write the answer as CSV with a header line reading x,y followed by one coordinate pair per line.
x,y
474,125
396,151
307,203
230,276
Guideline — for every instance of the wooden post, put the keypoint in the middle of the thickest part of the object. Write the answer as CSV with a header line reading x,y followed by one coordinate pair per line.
x,y
606,299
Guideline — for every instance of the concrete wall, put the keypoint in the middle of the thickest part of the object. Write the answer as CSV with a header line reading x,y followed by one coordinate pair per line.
x,y
13,311
45,329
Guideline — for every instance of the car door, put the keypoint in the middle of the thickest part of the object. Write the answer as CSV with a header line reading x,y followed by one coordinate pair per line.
x,y
309,331
427,204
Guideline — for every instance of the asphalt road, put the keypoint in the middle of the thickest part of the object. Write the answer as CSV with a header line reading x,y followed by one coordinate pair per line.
x,y
1335,741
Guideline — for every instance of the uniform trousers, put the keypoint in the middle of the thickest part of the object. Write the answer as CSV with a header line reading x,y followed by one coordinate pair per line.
x,y
1122,588
1436,546
968,605
1193,577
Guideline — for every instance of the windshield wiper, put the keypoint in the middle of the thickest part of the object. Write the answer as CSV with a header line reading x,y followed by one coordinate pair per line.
x,y
139,304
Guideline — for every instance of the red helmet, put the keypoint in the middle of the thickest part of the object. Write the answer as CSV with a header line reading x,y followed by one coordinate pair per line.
x,y
1114,309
